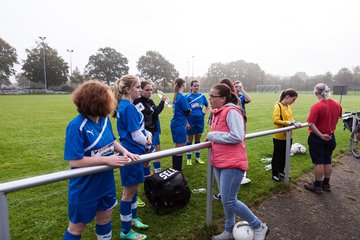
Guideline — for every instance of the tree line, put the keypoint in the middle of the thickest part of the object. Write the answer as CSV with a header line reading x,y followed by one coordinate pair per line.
x,y
108,65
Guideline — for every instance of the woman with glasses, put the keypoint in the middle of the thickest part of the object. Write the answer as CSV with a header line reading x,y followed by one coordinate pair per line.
x,y
229,159
195,126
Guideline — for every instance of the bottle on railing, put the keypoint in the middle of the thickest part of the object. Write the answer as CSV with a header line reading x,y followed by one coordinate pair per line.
x,y
167,101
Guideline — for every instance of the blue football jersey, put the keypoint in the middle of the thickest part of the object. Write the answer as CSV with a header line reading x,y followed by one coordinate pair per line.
x,y
129,119
242,101
180,106
87,138
197,102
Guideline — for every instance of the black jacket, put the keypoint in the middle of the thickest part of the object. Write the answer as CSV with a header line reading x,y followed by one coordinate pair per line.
x,y
150,111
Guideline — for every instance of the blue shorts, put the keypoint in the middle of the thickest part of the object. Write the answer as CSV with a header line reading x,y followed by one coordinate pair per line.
x,y
197,126
86,213
132,175
321,150
178,133
156,139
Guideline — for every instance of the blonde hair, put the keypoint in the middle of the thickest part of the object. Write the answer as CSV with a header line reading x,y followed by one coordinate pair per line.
x,y
121,85
322,89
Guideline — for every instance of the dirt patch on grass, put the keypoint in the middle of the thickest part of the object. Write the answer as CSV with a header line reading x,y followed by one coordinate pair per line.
x,y
299,214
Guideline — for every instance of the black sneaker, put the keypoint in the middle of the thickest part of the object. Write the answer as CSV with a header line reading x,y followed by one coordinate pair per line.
x,y
276,178
326,187
312,187
282,175
217,196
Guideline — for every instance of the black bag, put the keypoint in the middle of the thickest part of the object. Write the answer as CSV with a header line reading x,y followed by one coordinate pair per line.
x,y
167,190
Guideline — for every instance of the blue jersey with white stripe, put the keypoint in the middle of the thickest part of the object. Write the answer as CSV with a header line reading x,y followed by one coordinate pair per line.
x,y
180,106
197,102
84,137
129,120
242,101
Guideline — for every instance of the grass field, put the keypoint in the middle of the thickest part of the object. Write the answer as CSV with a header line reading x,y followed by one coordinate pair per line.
x,y
32,141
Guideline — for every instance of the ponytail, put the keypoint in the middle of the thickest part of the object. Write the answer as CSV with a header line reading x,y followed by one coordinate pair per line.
x,y
179,82
288,92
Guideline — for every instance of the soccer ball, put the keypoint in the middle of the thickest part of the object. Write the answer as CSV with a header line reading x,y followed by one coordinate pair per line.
x,y
297,148
243,231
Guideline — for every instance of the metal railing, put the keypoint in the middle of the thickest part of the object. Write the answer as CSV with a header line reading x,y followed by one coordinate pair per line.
x,y
67,174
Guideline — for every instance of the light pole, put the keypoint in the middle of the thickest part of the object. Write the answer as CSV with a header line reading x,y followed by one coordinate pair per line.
x,y
192,68
188,72
70,51
43,50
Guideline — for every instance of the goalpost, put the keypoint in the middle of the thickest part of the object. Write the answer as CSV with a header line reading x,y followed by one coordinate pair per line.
x,y
268,88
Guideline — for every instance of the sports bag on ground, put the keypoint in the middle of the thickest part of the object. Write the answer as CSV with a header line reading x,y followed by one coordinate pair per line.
x,y
167,190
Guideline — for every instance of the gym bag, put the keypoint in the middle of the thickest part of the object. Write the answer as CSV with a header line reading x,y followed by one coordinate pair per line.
x,y
167,191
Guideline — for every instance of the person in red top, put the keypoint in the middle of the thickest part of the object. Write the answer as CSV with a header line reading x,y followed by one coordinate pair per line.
x,y
322,120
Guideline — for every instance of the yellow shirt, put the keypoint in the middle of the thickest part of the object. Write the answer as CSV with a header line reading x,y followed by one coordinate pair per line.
x,y
281,115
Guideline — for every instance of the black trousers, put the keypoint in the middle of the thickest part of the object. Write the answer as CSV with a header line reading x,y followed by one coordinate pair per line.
x,y
278,159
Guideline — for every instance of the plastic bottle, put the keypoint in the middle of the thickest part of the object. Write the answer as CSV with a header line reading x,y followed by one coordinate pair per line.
x,y
199,190
167,101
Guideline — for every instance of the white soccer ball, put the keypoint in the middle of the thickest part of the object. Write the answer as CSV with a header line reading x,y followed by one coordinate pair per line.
x,y
302,149
297,148
243,231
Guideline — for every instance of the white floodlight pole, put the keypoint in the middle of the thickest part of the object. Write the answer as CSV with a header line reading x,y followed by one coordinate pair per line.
x,y
43,50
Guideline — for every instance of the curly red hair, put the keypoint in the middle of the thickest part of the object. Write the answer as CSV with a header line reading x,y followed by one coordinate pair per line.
x,y
94,98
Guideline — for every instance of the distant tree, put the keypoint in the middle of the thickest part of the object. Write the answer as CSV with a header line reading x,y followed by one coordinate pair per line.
x,y
356,77
344,77
153,66
328,79
107,64
8,57
250,74
22,81
77,77
56,67
298,80
215,73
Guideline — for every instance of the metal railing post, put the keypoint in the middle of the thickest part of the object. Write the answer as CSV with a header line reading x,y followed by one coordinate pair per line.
x,y
287,157
4,218
209,183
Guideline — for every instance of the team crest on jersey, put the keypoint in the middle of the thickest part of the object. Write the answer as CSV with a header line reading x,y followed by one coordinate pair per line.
x,y
106,150
139,107
90,131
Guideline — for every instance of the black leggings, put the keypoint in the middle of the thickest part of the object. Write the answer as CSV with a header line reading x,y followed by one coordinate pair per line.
x,y
278,159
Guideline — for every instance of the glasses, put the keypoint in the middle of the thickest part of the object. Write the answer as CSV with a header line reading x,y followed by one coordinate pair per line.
x,y
213,96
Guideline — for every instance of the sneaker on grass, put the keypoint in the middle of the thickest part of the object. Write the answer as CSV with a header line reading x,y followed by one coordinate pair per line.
x,y
132,235
198,160
282,175
217,196
276,178
140,202
136,222
188,162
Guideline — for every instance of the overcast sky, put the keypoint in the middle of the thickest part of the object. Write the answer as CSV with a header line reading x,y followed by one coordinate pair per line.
x,y
282,36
